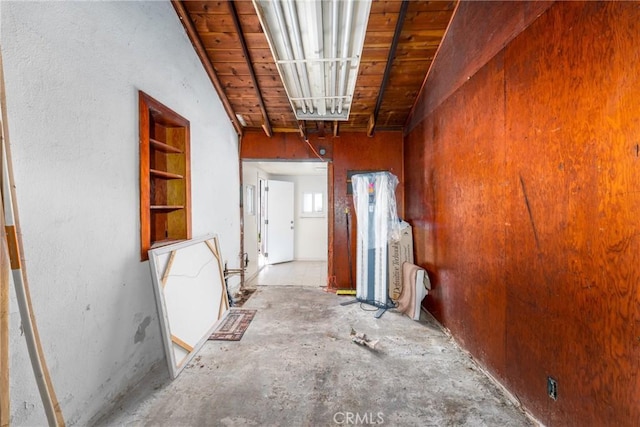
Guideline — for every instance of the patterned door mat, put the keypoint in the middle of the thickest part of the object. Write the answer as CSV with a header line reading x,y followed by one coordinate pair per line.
x,y
233,325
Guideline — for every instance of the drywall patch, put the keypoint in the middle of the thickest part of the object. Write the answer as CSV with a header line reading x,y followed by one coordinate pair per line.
x,y
140,333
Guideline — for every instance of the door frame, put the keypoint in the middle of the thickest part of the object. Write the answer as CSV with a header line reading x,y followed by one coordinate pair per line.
x,y
330,285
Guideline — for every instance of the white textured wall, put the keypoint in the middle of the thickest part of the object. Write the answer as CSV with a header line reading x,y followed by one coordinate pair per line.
x,y
310,240
250,174
73,70
311,237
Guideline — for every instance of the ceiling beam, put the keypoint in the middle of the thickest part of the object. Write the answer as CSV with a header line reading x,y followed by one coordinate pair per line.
x,y
371,125
387,69
206,62
287,130
266,124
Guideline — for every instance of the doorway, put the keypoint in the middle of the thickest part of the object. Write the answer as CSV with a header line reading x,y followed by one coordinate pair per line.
x,y
310,221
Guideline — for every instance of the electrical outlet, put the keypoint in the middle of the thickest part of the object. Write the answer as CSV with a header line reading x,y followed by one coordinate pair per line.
x,y
552,388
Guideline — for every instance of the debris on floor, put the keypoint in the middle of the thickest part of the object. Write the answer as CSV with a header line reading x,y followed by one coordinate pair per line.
x,y
309,374
242,296
361,339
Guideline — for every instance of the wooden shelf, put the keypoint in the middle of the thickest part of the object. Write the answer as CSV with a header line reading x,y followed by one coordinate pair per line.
x,y
161,146
164,175
160,243
166,208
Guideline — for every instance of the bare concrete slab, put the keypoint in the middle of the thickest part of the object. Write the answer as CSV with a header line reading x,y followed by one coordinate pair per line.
x,y
297,366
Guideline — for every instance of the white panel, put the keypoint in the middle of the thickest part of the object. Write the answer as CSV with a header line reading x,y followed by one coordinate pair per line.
x,y
190,295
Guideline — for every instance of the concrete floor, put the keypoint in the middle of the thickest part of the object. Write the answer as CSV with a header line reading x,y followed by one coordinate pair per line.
x,y
298,273
297,366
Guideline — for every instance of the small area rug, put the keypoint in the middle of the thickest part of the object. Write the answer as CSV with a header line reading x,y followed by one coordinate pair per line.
x,y
233,325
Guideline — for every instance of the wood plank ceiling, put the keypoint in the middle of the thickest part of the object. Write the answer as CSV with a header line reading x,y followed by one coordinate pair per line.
x,y
233,48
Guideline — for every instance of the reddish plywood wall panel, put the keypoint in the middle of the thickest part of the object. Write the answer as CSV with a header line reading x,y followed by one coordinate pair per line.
x,y
522,188
420,152
479,30
573,121
356,151
283,146
470,201
418,148
455,203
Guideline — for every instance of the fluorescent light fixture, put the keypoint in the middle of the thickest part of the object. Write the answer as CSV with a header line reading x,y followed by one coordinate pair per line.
x,y
316,45
241,119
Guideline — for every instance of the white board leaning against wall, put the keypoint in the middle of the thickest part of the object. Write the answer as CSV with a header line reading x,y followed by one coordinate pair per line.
x,y
191,296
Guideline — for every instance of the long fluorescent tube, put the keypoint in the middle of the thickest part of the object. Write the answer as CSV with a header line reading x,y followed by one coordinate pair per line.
x,y
348,26
333,85
319,82
297,43
288,50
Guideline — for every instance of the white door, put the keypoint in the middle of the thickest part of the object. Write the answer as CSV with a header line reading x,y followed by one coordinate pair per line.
x,y
279,222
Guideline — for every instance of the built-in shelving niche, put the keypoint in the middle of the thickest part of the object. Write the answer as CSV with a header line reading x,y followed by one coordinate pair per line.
x,y
165,178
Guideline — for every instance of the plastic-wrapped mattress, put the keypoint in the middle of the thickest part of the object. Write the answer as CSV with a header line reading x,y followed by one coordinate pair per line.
x,y
377,223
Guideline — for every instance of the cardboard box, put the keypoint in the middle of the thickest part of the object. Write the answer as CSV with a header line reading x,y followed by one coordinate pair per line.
x,y
399,252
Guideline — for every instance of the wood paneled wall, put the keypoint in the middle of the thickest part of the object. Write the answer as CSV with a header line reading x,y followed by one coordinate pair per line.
x,y
349,151
523,188
357,152
283,146
494,24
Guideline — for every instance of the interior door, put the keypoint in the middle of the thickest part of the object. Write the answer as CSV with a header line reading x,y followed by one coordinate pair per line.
x,y
279,222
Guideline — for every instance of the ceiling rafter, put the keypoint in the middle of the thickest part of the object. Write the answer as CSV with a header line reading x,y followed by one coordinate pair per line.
x,y
266,124
219,40
192,33
387,70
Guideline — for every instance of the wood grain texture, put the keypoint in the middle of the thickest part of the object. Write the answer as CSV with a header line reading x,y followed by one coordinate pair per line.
x,y
522,190
12,247
580,61
356,151
478,32
468,164
145,182
198,46
5,268
283,146
231,35
165,174
167,269
219,43
244,38
181,343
